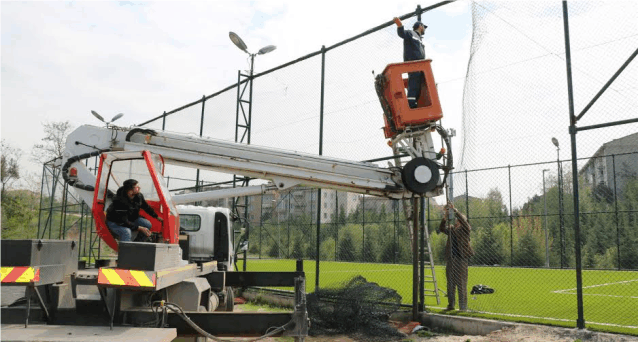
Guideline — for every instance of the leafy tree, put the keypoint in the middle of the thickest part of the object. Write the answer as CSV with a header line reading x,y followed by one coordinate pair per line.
x,y
19,209
297,250
10,167
528,251
54,141
391,252
327,249
346,250
489,246
369,251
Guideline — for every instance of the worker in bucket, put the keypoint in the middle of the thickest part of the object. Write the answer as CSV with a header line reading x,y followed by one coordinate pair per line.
x,y
413,50
123,215
458,252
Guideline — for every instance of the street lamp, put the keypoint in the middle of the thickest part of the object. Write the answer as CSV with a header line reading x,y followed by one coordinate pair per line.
x,y
99,117
546,227
242,46
560,201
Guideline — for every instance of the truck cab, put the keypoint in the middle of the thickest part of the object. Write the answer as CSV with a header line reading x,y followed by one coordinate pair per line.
x,y
209,234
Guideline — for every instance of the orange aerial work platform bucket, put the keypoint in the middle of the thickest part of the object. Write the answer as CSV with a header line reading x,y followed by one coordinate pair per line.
x,y
392,87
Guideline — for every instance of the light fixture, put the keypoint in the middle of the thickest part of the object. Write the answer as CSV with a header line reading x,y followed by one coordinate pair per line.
x,y
234,37
99,117
266,49
238,41
555,142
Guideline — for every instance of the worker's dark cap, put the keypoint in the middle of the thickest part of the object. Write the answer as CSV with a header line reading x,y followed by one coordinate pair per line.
x,y
129,184
417,24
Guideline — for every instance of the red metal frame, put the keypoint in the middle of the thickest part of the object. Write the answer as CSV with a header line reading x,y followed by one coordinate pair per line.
x,y
169,228
428,106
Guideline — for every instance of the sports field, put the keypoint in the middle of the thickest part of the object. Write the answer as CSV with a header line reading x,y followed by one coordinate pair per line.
x,y
545,296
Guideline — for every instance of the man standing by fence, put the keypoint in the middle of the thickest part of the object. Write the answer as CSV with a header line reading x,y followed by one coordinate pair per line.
x,y
413,50
457,254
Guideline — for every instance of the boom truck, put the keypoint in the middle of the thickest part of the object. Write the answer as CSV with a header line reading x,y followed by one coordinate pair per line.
x,y
184,280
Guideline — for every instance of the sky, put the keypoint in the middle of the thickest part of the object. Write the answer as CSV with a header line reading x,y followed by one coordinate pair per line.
x,y
60,60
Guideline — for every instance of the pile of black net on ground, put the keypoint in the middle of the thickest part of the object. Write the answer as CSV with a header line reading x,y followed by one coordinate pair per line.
x,y
358,307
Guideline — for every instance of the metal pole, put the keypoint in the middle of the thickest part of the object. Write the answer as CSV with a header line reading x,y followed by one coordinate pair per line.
x,y
321,100
561,223
164,121
261,221
422,257
509,177
338,222
250,98
201,132
40,204
80,245
546,226
467,198
580,322
239,96
415,259
613,162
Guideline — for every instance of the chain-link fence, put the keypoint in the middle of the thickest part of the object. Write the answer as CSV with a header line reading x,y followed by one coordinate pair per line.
x,y
515,100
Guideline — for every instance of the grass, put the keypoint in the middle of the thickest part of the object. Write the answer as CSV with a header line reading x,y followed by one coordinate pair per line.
x,y
545,296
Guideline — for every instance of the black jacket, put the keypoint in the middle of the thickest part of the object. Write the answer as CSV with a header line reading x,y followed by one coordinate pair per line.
x,y
413,48
124,210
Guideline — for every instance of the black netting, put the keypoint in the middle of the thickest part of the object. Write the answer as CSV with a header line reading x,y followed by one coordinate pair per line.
x,y
357,307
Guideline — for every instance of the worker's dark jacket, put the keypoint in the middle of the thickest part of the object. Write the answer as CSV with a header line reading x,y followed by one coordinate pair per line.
x,y
412,44
458,242
124,210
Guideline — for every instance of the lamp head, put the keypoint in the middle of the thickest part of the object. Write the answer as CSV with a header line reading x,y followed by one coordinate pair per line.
x,y
555,142
266,49
238,41
98,116
117,116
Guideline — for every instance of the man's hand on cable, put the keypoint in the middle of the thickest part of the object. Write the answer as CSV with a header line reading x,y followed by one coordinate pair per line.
x,y
144,230
160,219
397,21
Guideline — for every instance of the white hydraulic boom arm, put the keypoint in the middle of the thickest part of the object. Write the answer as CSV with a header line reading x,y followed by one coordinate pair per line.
x,y
284,168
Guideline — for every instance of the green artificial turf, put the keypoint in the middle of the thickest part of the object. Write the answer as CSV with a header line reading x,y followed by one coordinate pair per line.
x,y
546,296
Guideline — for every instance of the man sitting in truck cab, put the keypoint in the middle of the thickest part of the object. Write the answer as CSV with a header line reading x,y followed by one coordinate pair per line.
x,y
123,215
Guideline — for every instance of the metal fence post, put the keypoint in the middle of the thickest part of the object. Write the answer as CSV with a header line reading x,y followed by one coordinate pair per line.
x,y
164,121
323,79
509,178
580,321
613,163
467,198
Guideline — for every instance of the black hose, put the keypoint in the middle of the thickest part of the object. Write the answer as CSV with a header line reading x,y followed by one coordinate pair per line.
x,y
450,161
74,182
139,130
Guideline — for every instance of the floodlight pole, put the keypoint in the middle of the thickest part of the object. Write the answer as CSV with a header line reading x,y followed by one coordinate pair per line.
x,y
580,321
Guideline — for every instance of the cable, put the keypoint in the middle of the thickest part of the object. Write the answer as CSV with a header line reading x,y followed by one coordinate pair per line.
x,y
180,312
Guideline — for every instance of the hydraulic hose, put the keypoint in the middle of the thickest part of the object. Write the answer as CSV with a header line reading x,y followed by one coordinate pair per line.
x,y
178,310
74,182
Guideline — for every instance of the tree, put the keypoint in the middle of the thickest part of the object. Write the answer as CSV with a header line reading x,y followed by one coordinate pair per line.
x,y
54,141
488,249
346,248
369,252
528,252
10,167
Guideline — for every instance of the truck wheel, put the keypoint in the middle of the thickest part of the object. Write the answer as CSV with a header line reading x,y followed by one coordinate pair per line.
x,y
213,302
229,304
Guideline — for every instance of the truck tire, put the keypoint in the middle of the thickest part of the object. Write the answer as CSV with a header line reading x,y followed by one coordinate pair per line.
x,y
229,304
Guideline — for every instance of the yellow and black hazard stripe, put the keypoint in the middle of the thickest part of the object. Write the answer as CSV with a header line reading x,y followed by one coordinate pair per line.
x,y
19,274
118,277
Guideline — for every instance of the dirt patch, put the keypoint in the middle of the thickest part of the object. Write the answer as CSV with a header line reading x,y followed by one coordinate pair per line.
x,y
533,333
